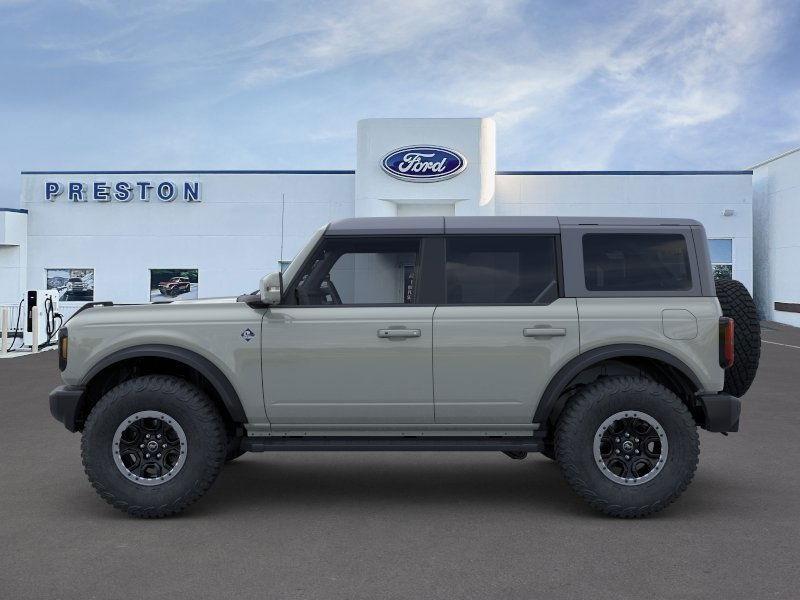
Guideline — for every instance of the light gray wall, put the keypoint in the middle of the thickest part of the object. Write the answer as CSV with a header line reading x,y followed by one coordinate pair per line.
x,y
776,208
233,236
13,256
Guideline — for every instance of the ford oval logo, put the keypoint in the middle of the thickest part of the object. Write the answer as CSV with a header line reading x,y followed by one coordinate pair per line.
x,y
423,163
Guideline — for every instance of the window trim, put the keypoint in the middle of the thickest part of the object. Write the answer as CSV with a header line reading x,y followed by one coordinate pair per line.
x,y
664,237
72,303
733,257
150,278
574,274
556,238
288,299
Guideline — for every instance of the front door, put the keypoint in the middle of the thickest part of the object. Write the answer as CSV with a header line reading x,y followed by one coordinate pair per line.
x,y
351,345
503,332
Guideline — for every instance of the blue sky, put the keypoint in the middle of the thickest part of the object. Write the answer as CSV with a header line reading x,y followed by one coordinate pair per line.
x,y
183,84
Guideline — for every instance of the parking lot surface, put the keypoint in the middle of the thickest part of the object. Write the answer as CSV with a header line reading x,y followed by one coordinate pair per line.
x,y
405,525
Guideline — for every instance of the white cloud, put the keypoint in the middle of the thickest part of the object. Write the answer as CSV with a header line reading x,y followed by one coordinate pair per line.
x,y
336,34
684,65
692,67
570,85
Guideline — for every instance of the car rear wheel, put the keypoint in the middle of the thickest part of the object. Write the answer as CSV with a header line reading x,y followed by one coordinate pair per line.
x,y
627,445
153,445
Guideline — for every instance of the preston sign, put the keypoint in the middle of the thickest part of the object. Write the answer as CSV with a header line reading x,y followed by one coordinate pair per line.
x,y
123,191
423,163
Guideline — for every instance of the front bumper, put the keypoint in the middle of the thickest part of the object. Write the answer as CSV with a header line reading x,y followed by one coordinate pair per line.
x,y
720,412
65,404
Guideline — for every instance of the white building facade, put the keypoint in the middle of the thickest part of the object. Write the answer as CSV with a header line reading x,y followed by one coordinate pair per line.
x,y
133,237
776,199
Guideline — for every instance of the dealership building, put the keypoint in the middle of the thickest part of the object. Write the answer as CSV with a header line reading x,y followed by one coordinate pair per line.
x,y
141,236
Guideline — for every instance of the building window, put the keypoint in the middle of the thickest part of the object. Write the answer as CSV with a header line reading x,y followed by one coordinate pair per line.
x,y
73,285
722,257
170,284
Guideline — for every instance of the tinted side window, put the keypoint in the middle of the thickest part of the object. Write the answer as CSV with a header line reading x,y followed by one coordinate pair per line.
x,y
361,271
634,262
501,270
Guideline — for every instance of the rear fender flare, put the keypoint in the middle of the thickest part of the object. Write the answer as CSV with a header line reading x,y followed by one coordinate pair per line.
x,y
586,360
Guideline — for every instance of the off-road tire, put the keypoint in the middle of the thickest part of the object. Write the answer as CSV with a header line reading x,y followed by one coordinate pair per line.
x,y
233,448
205,439
549,450
737,304
579,423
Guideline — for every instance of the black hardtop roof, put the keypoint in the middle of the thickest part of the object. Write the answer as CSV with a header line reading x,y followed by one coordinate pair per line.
x,y
487,225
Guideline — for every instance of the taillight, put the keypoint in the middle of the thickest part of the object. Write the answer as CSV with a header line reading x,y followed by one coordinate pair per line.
x,y
726,342
63,347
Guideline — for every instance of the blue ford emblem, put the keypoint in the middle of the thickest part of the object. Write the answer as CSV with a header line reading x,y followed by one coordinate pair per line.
x,y
423,163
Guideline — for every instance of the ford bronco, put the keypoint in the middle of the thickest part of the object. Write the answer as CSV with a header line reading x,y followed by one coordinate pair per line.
x,y
601,343
175,286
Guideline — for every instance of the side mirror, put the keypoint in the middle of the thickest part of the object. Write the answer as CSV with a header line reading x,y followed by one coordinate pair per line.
x,y
271,288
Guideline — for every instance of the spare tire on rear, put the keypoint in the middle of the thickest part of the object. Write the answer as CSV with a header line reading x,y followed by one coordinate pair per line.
x,y
737,303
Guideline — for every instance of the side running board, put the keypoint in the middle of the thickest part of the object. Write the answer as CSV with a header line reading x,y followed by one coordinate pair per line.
x,y
393,444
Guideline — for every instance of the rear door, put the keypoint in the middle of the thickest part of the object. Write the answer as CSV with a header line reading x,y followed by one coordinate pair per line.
x,y
504,329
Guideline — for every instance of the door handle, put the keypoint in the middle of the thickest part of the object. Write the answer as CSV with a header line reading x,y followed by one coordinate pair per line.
x,y
544,332
399,333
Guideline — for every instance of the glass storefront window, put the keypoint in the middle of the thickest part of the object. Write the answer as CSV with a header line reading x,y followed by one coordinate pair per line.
x,y
73,285
172,284
721,251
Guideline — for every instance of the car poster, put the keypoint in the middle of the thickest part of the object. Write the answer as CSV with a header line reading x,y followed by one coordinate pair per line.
x,y
173,284
73,285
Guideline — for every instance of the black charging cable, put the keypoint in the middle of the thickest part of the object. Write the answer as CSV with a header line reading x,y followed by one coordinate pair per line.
x,y
50,320
16,327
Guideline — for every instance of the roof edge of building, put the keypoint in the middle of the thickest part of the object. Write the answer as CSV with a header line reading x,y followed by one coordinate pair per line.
x,y
776,157
352,172
199,172
721,172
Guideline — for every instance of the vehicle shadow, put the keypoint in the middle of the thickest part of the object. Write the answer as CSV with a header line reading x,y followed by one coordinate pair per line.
x,y
391,480
396,481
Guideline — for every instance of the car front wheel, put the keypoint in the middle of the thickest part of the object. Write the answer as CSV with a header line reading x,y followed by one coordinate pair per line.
x,y
627,445
153,445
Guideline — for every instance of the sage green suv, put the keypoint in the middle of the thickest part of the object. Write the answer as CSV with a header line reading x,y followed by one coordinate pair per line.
x,y
601,343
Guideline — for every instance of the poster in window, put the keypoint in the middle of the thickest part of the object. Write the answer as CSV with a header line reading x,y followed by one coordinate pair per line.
x,y
173,284
73,285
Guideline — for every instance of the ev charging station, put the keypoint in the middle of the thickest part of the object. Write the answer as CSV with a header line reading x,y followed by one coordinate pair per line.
x,y
42,318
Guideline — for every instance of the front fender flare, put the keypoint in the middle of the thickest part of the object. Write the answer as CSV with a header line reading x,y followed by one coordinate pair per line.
x,y
202,365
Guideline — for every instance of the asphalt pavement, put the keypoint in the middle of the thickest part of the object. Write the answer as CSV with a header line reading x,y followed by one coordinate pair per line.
x,y
405,525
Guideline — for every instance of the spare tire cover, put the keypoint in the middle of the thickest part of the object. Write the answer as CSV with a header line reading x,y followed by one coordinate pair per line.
x,y
737,303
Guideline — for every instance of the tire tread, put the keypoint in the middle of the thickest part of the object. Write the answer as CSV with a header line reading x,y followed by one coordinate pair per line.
x,y
736,303
581,407
203,411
